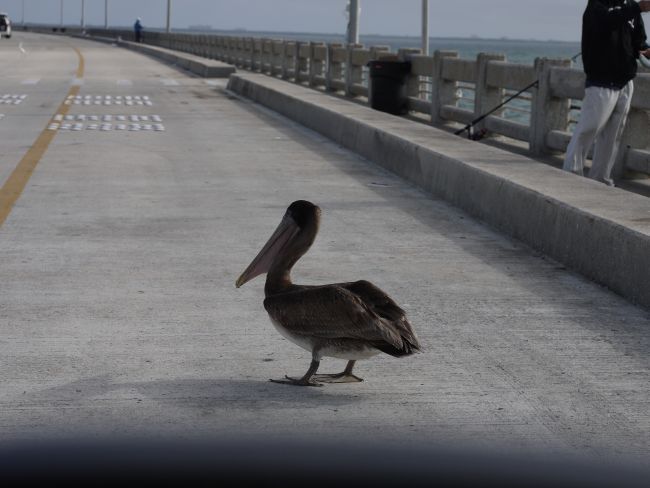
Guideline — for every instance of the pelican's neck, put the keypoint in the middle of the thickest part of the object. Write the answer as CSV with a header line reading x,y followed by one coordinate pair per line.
x,y
278,278
277,282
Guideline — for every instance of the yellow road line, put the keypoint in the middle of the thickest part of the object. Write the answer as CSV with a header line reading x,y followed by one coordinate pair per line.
x,y
17,181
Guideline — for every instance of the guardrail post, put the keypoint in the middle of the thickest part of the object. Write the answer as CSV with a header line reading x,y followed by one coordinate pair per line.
x,y
312,64
486,97
284,68
232,50
412,82
254,53
353,73
547,112
333,69
266,49
443,92
377,51
296,62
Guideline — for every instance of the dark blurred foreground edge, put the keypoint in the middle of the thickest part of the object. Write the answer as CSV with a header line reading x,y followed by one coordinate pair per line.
x,y
293,463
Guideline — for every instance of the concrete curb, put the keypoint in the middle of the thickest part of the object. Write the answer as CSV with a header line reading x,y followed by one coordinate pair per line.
x,y
601,232
206,68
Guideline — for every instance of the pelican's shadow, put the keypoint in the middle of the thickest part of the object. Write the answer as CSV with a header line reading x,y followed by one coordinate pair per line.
x,y
252,394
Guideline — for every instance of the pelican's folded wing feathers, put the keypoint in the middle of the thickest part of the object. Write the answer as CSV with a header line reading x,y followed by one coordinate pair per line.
x,y
337,312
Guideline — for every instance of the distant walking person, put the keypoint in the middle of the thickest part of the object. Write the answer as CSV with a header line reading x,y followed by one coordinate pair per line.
x,y
137,27
613,38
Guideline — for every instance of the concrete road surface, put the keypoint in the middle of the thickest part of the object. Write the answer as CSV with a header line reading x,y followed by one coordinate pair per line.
x,y
119,314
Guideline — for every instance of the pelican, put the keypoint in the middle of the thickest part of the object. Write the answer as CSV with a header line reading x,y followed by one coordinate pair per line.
x,y
349,321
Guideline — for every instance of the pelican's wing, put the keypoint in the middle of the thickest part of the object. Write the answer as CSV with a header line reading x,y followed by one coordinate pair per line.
x,y
335,312
328,312
384,306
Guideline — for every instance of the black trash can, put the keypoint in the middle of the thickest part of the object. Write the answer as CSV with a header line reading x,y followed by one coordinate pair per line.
x,y
388,86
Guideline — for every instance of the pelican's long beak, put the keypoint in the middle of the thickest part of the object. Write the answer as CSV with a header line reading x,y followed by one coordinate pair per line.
x,y
286,231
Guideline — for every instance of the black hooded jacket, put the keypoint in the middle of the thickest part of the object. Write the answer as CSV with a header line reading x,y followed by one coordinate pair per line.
x,y
612,36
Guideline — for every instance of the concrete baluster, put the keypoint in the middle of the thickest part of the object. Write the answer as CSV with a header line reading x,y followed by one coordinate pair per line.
x,y
486,97
443,92
413,81
329,67
222,48
252,53
296,62
262,55
353,72
278,54
313,68
547,112
284,68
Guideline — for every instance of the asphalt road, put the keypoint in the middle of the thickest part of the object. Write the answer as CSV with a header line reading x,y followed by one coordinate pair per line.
x,y
118,310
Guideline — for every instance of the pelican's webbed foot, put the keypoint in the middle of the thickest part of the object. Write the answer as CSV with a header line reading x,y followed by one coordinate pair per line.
x,y
296,382
338,378
305,380
344,377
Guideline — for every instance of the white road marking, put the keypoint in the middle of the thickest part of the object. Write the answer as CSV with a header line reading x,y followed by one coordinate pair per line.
x,y
9,99
31,81
77,81
124,82
104,123
169,82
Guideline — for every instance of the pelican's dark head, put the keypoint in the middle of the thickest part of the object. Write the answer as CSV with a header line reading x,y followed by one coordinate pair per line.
x,y
304,213
293,237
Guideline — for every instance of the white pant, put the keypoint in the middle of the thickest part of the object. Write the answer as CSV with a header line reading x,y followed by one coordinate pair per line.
x,y
603,116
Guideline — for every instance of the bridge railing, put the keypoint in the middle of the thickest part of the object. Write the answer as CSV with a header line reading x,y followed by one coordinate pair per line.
x,y
442,88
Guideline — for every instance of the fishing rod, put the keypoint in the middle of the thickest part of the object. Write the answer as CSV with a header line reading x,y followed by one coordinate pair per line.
x,y
535,83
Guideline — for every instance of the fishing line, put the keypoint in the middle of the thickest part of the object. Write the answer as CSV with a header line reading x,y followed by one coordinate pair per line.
x,y
470,126
645,62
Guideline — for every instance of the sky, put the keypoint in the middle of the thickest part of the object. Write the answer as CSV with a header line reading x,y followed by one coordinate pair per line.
x,y
516,19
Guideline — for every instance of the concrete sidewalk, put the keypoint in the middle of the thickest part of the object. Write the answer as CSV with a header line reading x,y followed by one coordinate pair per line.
x,y
119,315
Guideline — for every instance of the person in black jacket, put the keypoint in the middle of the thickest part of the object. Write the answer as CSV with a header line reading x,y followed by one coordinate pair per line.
x,y
137,28
613,38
